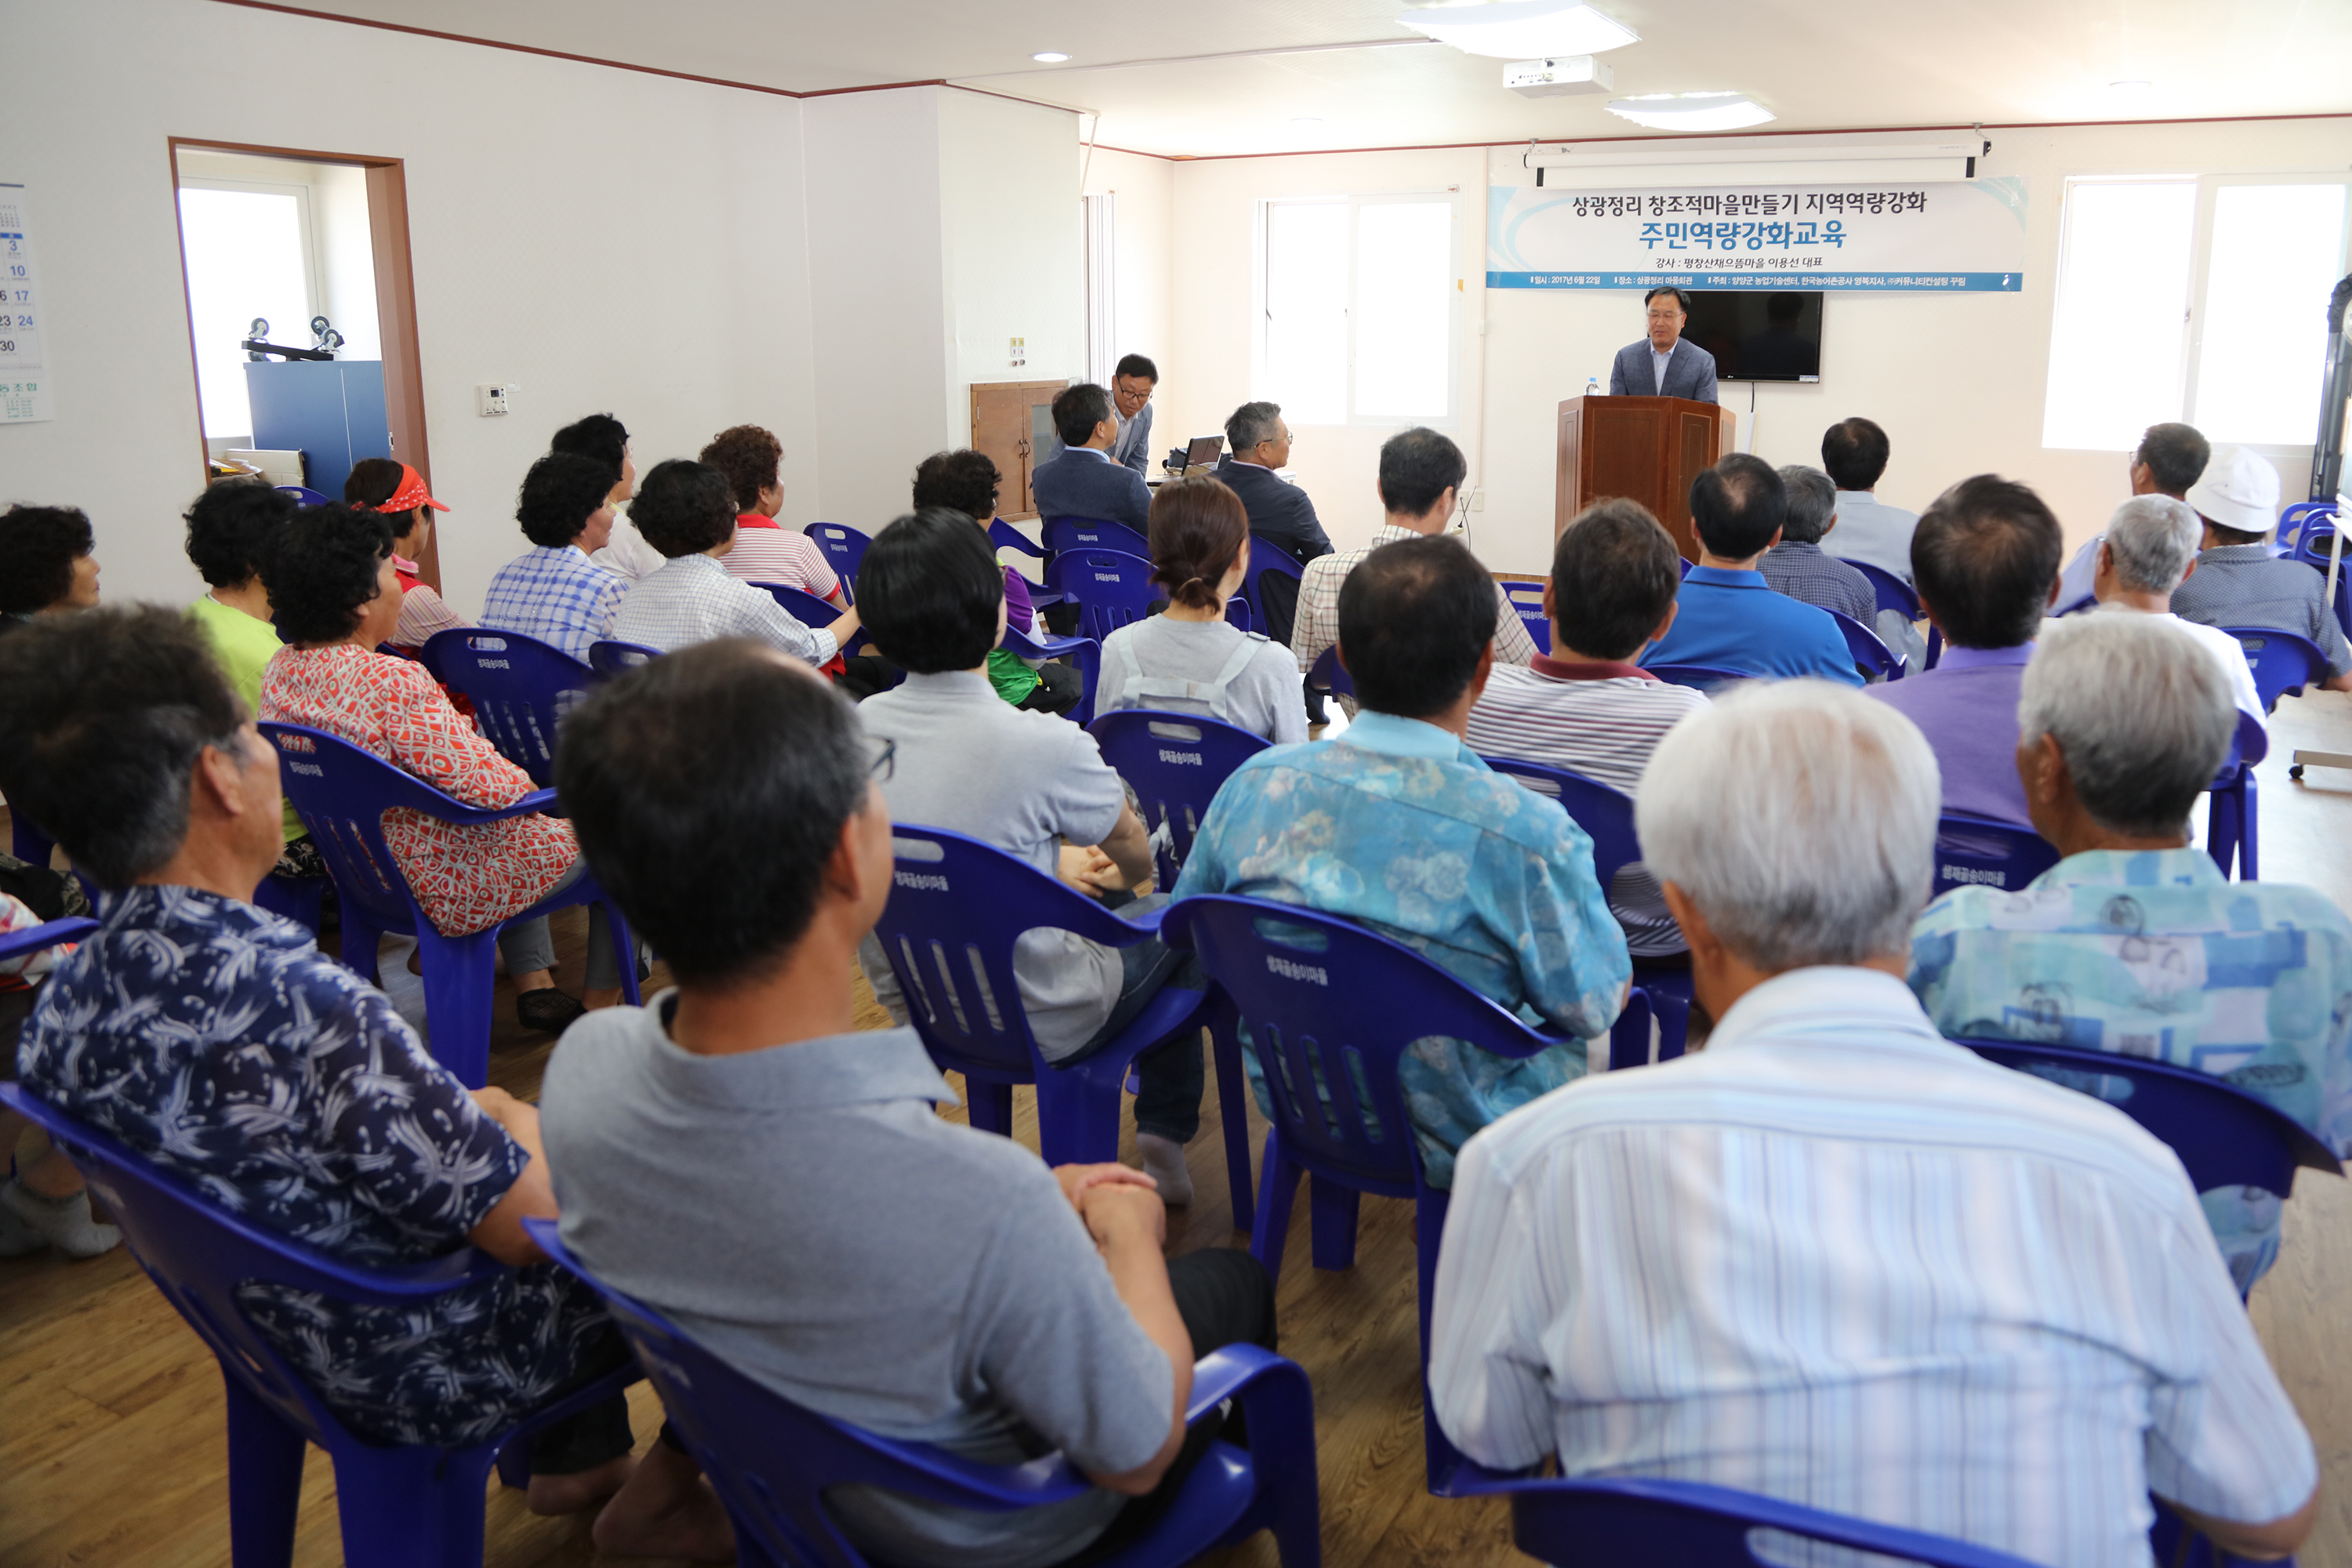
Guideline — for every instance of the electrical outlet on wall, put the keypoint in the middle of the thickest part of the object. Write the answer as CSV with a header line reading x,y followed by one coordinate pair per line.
x,y
491,399
1020,353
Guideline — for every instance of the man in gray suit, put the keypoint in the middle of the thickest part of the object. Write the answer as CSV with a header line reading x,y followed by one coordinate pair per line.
x,y
1662,364
1132,386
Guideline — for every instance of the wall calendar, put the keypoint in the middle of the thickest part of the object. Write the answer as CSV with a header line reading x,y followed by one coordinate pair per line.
x,y
23,376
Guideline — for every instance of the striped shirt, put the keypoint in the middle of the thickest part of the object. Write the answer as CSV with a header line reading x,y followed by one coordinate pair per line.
x,y
767,551
423,613
1839,1260
1317,625
693,600
557,594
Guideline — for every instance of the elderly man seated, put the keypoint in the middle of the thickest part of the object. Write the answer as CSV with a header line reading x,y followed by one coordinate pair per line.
x,y
2135,943
1397,824
2238,582
1834,1257
2149,550
215,1039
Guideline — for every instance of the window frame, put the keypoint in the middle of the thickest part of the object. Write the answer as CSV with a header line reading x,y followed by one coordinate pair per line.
x,y
313,288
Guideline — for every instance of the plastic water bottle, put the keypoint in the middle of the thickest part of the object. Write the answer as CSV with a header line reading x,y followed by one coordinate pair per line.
x,y
1592,386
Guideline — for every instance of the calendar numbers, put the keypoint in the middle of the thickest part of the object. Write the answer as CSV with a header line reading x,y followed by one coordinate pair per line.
x,y
23,377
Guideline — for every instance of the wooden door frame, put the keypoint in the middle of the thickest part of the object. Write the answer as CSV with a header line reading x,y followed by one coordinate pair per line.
x,y
396,303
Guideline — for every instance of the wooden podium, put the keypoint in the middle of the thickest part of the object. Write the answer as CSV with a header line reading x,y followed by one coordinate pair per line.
x,y
1647,449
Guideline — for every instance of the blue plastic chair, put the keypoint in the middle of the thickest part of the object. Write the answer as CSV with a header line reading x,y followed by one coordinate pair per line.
x,y
1527,598
2283,662
2294,518
26,842
955,911
303,494
2230,807
1872,656
1701,677
1894,592
810,612
772,1461
1266,557
343,794
1004,536
520,687
1086,650
49,933
1662,987
1175,763
2082,606
1063,534
1323,994
1111,588
399,1507
845,551
609,659
1977,851
1329,676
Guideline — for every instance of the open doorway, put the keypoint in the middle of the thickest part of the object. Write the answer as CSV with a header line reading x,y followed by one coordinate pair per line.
x,y
301,316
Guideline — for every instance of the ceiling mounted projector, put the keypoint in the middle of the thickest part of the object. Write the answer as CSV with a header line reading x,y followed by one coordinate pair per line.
x,y
1557,79
1691,111
1522,29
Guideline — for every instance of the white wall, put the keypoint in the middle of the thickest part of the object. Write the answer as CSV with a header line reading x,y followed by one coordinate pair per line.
x,y
1145,236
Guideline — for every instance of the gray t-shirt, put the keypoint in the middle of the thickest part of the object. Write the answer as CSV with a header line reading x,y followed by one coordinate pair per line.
x,y
970,762
803,1213
1263,699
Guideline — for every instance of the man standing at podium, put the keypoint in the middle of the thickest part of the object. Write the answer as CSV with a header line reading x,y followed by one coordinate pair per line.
x,y
1662,364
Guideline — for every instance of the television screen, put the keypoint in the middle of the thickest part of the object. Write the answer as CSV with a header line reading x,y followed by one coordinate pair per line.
x,y
1758,334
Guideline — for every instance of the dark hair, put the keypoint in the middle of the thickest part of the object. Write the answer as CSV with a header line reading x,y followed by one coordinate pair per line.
x,y
684,508
1197,529
928,592
1984,556
1078,410
2176,455
1812,501
600,436
102,717
964,480
1250,423
1613,572
1681,299
750,457
232,527
324,571
371,482
1854,452
1417,465
1413,618
709,788
1136,364
39,545
1737,505
560,493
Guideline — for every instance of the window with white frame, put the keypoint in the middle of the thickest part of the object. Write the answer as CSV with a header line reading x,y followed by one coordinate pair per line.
x,y
249,255
1358,307
2200,299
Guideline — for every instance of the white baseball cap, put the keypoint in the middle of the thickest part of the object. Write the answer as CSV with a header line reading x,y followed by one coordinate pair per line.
x,y
2238,489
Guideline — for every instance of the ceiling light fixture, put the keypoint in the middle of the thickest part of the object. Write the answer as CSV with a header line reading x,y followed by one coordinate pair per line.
x,y
1049,57
1691,111
1522,29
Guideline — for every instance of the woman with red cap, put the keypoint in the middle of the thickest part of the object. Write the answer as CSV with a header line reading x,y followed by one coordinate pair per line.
x,y
397,490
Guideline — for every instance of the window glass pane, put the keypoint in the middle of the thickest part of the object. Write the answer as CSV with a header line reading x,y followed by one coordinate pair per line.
x,y
1306,311
2277,252
2116,334
1405,282
243,254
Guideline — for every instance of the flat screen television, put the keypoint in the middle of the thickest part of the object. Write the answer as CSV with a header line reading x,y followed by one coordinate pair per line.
x,y
1759,334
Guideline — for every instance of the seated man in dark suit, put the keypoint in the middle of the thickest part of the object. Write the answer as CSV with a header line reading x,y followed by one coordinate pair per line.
x,y
1082,480
1280,514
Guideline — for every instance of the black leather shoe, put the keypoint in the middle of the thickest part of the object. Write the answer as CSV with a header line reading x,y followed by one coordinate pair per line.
x,y
547,1010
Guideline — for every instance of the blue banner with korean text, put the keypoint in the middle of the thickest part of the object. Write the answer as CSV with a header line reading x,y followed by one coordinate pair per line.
x,y
1957,237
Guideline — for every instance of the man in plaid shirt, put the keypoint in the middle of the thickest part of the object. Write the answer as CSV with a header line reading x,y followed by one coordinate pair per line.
x,y
553,591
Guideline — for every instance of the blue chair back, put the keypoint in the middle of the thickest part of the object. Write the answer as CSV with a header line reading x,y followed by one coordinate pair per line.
x,y
1527,598
609,659
303,494
2316,541
1894,592
1175,763
2294,518
2283,662
1330,674
520,687
1873,658
845,551
1111,588
1004,536
1700,677
1976,851
809,610
1694,1525
1267,558
49,933
2088,601
1066,533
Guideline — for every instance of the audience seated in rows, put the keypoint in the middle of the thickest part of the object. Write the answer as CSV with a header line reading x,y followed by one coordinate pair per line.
x,y
1399,825
1729,617
1420,477
967,482
217,1041
1855,453
1033,786
2238,582
554,591
397,492
1834,1257
2149,549
331,585
1188,659
604,441
1587,705
1985,557
2136,941
1082,479
2168,459
765,549
1799,567
47,562
784,1189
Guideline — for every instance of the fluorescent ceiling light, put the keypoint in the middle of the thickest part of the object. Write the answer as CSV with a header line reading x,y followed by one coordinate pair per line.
x,y
1691,111
1049,57
1522,29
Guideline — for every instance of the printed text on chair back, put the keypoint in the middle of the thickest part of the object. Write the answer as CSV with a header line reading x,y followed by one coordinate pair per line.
x,y
520,687
1175,763
1975,851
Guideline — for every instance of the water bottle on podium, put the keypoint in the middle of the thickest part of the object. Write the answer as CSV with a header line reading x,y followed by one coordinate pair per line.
x,y
1592,386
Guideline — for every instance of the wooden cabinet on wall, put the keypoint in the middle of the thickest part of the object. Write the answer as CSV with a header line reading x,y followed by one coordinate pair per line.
x,y
1012,421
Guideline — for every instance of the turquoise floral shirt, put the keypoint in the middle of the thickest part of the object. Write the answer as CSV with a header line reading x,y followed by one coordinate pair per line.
x,y
2153,953
1398,825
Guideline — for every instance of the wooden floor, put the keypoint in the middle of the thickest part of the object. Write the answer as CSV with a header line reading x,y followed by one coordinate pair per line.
x,y
112,1446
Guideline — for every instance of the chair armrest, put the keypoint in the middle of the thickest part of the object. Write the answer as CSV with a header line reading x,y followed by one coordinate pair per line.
x,y
1225,1372
533,805
49,934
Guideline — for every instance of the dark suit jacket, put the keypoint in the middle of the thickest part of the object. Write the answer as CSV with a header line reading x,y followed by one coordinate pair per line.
x,y
1083,482
1279,513
1689,373
1133,448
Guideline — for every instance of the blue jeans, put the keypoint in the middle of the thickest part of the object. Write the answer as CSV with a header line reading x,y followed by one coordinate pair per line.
x,y
1170,1079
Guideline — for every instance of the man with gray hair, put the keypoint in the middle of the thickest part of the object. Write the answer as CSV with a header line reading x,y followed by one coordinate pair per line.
x,y
1799,567
2150,550
2135,943
2166,462
1836,1258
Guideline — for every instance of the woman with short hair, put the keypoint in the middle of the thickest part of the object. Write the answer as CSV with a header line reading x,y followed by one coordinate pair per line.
x,y
46,565
397,492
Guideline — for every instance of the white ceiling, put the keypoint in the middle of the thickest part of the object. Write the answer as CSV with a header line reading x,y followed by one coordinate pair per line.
x,y
1819,65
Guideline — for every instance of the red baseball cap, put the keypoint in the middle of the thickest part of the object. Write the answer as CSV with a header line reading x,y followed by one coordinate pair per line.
x,y
411,494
